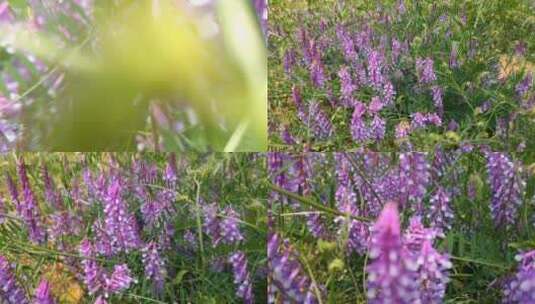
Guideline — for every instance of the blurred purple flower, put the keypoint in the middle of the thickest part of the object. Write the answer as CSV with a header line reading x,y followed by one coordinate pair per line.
x,y
320,123
440,213
425,70
378,127
119,280
437,99
10,291
242,277
432,273
287,275
346,85
348,46
29,209
507,187
375,75
414,177
229,227
525,85
120,224
359,130
211,222
43,294
521,288
289,60
391,273
154,266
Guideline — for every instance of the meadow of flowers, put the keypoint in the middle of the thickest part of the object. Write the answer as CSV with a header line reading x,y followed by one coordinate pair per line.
x,y
401,74
435,227
126,228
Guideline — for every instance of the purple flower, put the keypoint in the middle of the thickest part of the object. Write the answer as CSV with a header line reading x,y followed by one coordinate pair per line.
x,y
388,93
154,266
507,187
403,129
414,177
43,294
315,225
229,227
190,239
416,234
440,213
453,125
375,75
317,72
521,288
391,274
348,45
525,85
29,209
378,126
375,105
211,223
10,291
432,273
261,8
298,101
425,70
289,60
286,273
170,175
120,224
437,99
359,130
101,300
242,277
320,123
93,278
51,195
119,280
346,85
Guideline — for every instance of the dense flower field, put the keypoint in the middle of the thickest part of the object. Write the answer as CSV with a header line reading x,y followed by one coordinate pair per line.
x,y
401,74
125,228
436,227
102,75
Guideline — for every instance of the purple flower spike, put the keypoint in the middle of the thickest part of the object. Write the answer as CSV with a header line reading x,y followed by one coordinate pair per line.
x,y
43,294
242,277
507,186
229,227
120,279
440,213
391,274
287,275
375,74
29,209
348,45
416,234
10,291
521,288
359,129
92,272
346,85
414,176
319,121
432,274
211,223
425,70
154,266
120,224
